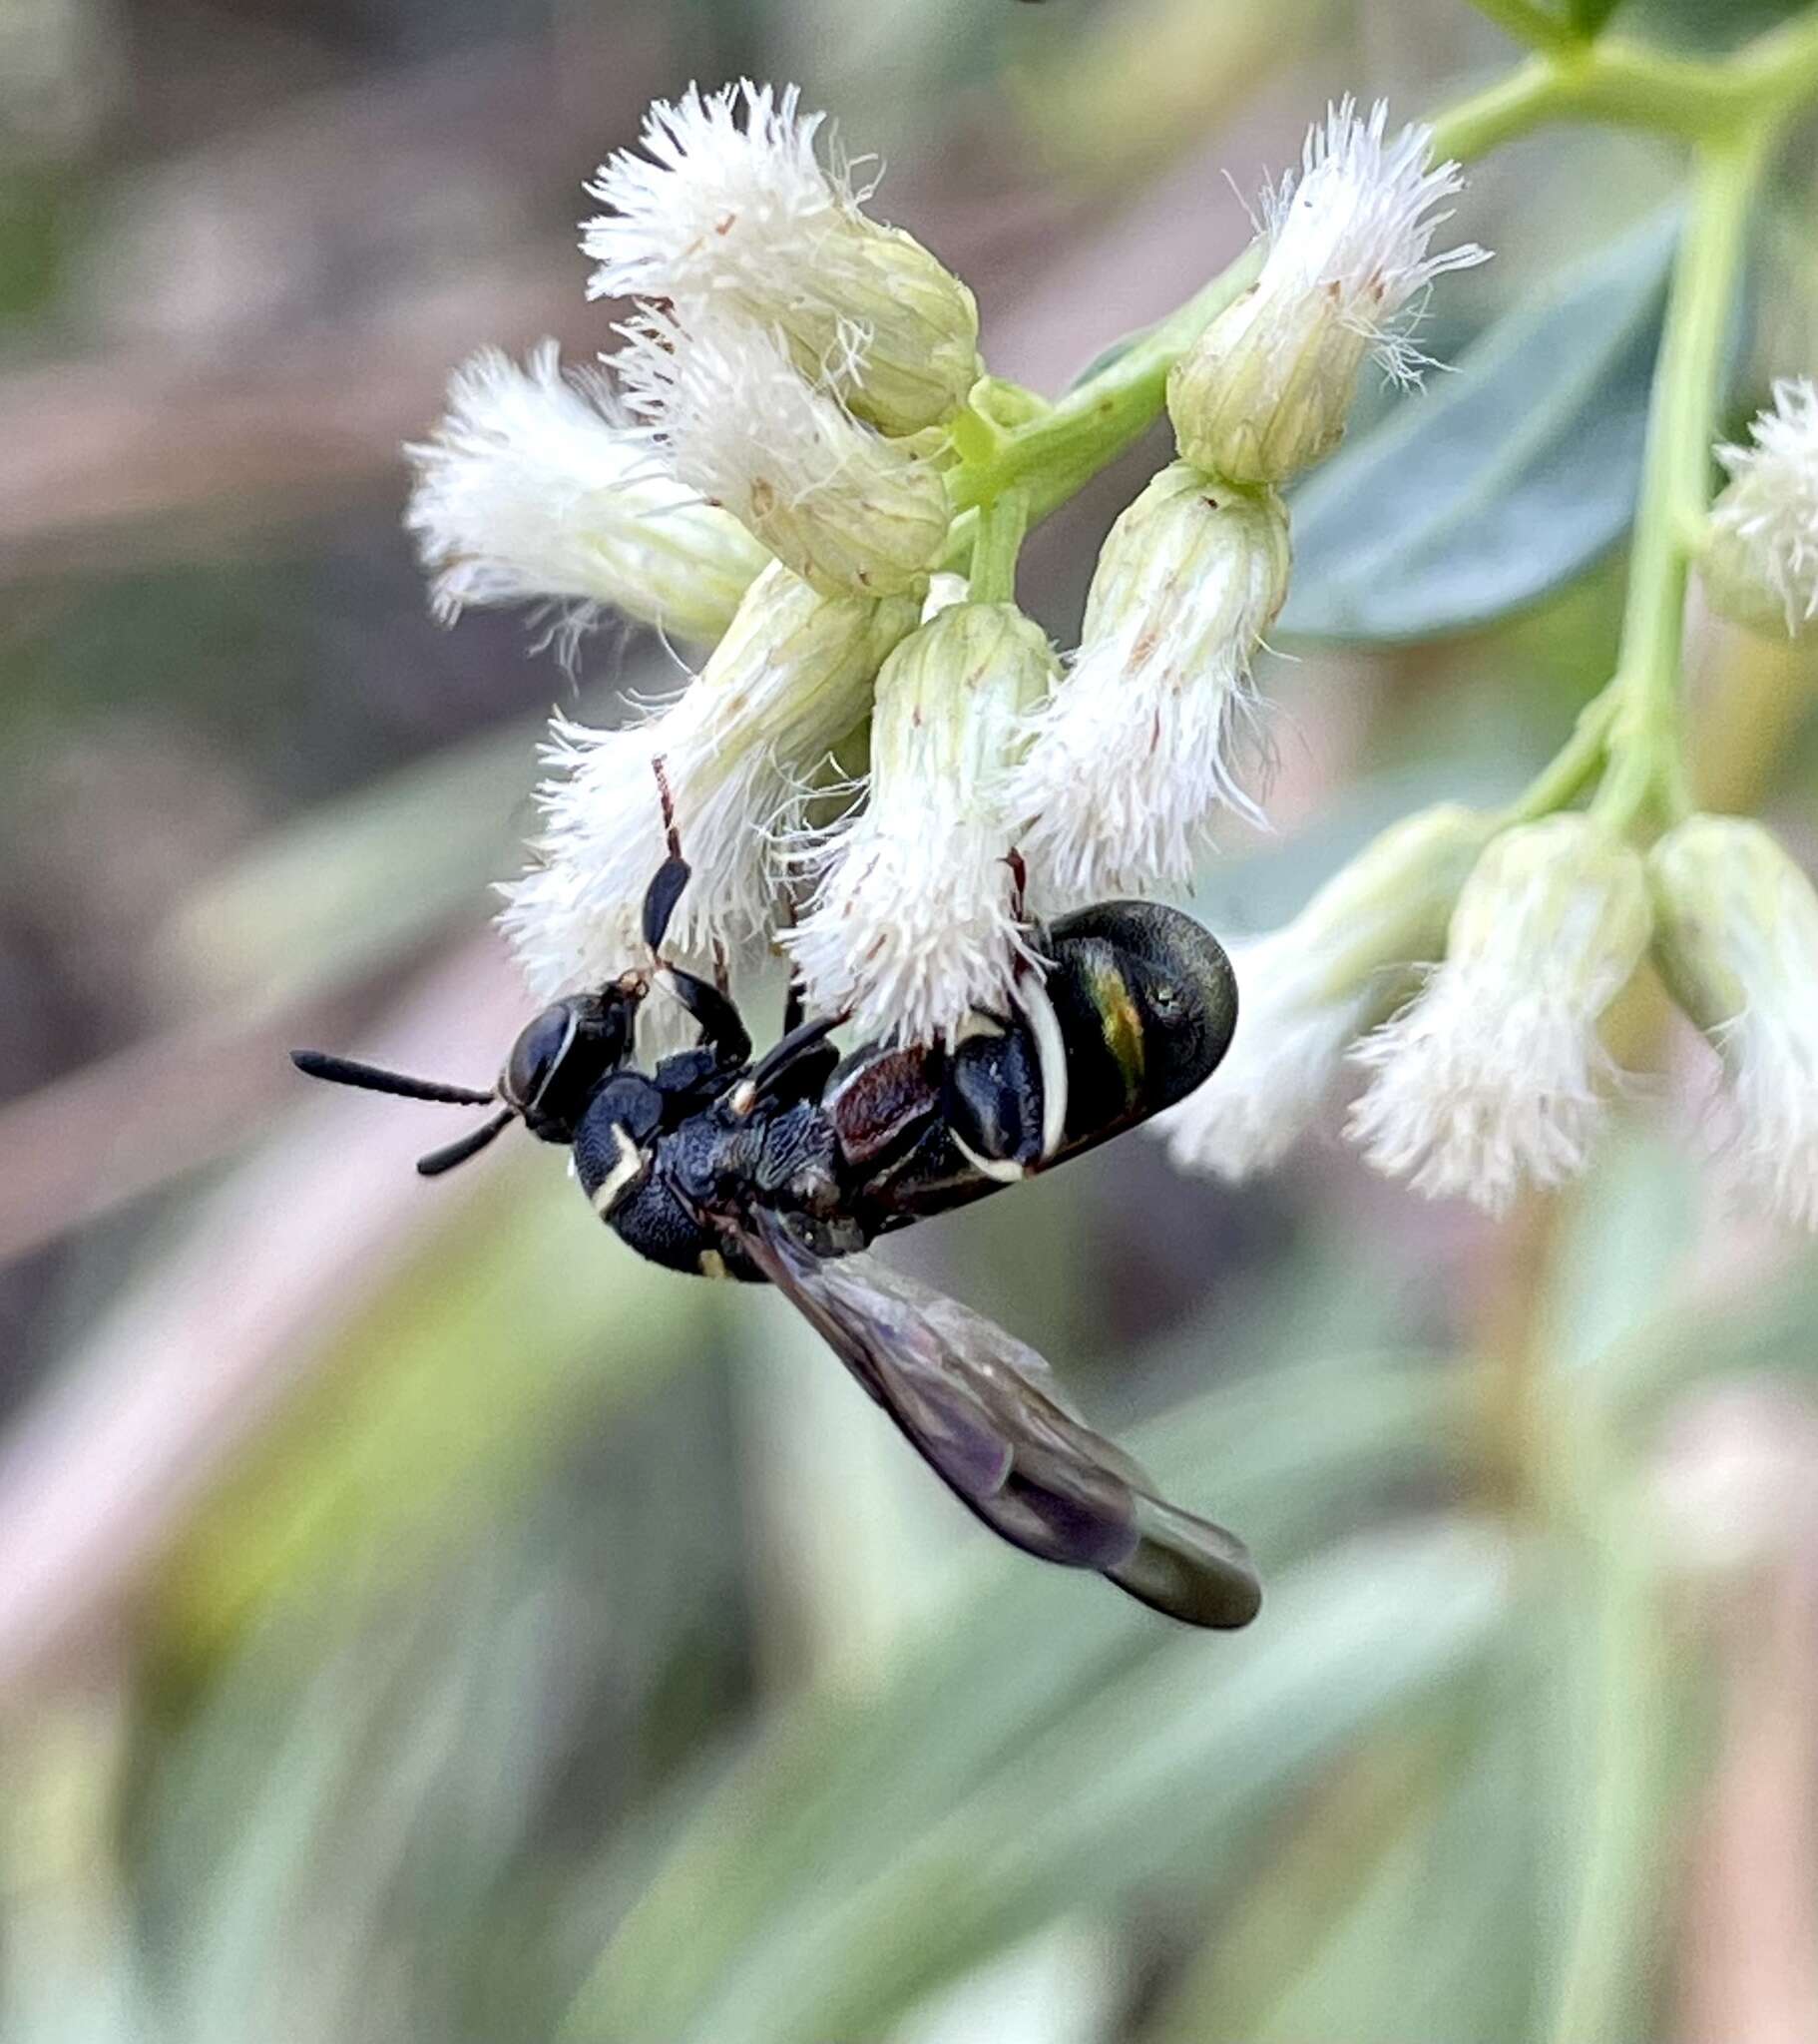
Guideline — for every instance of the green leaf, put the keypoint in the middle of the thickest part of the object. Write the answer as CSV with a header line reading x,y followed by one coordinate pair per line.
x,y
1495,483
1150,1771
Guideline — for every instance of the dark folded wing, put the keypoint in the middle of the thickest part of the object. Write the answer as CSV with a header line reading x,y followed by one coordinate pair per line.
x,y
982,1409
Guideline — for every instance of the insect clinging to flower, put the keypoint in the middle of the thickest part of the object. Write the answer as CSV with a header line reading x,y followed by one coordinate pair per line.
x,y
884,772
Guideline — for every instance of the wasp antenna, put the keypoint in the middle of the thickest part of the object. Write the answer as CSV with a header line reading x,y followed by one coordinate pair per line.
x,y
319,1064
470,1145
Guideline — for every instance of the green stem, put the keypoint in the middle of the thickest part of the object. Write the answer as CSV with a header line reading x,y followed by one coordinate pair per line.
x,y
997,539
1645,740
1611,81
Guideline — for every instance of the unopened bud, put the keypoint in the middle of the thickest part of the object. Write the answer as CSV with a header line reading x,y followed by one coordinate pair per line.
x,y
789,678
729,205
1759,563
1266,392
1311,988
1491,1077
1129,759
1736,941
915,919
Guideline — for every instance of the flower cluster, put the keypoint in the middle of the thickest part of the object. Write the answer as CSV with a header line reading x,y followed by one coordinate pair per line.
x,y
1464,970
769,464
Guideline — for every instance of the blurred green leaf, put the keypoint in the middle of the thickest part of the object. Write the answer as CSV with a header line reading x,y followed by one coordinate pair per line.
x,y
1145,1772
1709,24
823,1799
1628,1691
446,1393
359,881
1633,1224
1401,1905
1489,486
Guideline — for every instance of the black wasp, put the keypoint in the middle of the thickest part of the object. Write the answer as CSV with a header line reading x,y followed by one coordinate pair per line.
x,y
783,1168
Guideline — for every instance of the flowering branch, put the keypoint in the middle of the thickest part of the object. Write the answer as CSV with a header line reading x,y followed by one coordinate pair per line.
x,y
1627,84
801,405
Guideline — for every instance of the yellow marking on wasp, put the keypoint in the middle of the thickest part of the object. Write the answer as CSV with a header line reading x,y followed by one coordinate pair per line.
x,y
1005,1170
712,1263
1120,1023
623,1176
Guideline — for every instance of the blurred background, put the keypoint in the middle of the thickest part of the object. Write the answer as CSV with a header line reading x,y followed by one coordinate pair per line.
x,y
419,1620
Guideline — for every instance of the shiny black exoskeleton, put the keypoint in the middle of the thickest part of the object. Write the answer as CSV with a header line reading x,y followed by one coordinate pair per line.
x,y
784,1168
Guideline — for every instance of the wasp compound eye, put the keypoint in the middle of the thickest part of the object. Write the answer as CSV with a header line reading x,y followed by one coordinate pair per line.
x,y
539,1050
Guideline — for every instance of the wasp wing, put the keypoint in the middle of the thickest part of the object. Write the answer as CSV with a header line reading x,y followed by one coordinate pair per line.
x,y
983,1410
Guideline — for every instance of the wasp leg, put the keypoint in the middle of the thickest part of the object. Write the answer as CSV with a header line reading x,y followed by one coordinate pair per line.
x,y
794,1007
722,1029
795,1067
1006,1087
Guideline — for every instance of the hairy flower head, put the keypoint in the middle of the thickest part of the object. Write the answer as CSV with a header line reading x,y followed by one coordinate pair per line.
x,y
1736,941
726,203
1490,1078
1266,390
1130,758
1311,987
1760,558
914,920
789,678
851,511
536,489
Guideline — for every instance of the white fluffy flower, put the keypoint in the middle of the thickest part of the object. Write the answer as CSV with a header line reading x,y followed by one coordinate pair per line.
x,y
789,679
1491,1077
1737,943
1266,390
729,205
848,510
1130,758
914,922
1308,990
535,489
1760,562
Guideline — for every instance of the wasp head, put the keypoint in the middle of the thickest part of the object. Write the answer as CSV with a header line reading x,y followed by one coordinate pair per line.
x,y
563,1055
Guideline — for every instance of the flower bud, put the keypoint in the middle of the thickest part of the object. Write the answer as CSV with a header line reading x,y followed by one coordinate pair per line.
x,y
1759,563
715,214
1736,941
851,511
1489,1078
1309,988
790,677
1266,390
536,489
914,920
1130,758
